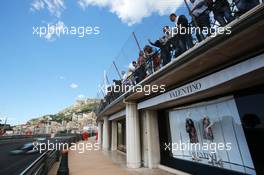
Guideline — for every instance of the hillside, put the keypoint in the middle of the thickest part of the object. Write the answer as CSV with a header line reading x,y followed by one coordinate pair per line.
x,y
80,106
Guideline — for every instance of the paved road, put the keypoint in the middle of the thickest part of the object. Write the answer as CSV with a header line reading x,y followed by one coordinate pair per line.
x,y
14,164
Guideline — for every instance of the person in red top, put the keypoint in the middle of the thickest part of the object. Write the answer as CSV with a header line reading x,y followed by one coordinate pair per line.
x,y
85,136
96,135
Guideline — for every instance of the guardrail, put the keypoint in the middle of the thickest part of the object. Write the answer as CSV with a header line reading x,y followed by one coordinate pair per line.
x,y
44,163
23,136
13,139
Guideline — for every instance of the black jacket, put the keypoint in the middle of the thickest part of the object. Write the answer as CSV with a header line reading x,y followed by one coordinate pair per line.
x,y
183,21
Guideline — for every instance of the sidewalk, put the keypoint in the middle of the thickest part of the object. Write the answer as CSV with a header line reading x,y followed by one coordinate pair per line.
x,y
102,163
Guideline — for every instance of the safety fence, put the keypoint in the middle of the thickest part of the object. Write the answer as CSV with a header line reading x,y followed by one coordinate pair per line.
x,y
45,161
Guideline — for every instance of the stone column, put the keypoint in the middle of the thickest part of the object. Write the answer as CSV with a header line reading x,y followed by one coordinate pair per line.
x,y
114,136
100,125
132,136
106,130
152,139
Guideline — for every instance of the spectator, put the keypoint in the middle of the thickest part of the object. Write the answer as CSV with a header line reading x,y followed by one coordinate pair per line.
x,y
130,77
156,60
182,23
141,60
108,97
140,72
148,53
221,10
133,76
200,13
131,69
124,75
164,45
125,80
134,63
117,90
245,5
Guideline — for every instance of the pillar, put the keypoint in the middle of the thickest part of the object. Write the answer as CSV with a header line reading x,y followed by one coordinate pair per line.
x,y
114,136
106,130
132,136
100,124
152,139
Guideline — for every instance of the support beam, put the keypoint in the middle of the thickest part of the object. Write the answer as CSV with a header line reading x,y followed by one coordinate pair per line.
x,y
152,139
100,127
132,136
106,134
114,136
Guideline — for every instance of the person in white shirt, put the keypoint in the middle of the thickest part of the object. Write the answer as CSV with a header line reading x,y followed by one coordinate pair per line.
x,y
124,78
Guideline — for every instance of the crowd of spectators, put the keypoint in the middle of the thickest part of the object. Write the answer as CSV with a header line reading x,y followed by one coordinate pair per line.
x,y
160,52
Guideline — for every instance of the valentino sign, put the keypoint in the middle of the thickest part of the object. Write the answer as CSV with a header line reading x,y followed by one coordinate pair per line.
x,y
185,90
206,82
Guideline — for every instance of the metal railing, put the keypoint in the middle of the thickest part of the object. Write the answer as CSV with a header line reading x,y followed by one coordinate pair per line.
x,y
19,138
22,136
42,164
45,161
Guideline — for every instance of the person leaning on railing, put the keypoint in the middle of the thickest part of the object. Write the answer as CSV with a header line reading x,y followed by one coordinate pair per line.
x,y
245,5
148,62
148,51
108,97
117,88
133,75
156,60
130,73
140,72
200,13
183,39
124,77
221,10
165,48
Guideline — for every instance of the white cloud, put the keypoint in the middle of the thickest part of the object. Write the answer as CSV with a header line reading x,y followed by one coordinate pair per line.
x,y
74,86
133,11
54,30
81,96
55,7
129,11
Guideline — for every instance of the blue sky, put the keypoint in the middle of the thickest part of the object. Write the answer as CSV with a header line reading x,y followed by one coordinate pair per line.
x,y
38,76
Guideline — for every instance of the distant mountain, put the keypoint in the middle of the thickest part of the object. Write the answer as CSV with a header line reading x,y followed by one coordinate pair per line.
x,y
80,106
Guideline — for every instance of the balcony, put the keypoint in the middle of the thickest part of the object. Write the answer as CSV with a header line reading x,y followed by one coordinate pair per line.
x,y
208,56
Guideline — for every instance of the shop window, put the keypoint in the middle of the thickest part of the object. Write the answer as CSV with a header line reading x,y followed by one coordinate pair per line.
x,y
210,133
